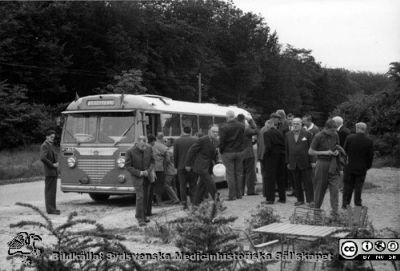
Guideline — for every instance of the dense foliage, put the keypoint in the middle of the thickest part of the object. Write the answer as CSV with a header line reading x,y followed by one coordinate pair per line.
x,y
53,50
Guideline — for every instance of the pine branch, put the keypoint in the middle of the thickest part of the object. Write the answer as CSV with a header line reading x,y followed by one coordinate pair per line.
x,y
36,209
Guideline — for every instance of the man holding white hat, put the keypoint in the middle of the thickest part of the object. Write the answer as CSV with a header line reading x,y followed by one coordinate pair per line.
x,y
200,158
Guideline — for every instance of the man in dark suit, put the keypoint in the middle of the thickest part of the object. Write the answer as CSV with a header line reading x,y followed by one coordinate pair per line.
x,y
309,125
140,163
185,178
359,149
249,161
231,148
298,142
49,158
274,163
342,131
200,158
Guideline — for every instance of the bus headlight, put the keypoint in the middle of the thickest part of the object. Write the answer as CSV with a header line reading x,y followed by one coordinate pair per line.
x,y
71,162
121,178
121,162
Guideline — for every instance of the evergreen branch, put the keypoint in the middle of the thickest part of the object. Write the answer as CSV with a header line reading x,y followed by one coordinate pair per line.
x,y
36,209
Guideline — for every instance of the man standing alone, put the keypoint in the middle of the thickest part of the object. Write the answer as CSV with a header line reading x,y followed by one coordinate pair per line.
x,y
140,163
359,149
231,147
49,158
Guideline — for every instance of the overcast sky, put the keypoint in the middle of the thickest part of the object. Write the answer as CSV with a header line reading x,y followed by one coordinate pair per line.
x,y
359,35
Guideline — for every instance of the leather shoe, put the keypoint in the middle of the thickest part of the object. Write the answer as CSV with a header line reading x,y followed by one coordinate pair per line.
x,y
230,199
142,223
252,194
55,212
298,203
146,220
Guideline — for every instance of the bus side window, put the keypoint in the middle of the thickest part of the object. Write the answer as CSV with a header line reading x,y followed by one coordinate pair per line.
x,y
153,124
205,123
190,121
171,124
219,120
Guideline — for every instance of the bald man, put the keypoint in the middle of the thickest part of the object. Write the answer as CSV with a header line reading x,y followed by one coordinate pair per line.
x,y
359,149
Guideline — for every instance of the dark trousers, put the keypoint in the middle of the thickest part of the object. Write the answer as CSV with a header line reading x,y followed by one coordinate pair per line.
x,y
186,178
50,190
205,185
233,162
274,168
352,182
170,187
144,195
264,178
303,183
249,175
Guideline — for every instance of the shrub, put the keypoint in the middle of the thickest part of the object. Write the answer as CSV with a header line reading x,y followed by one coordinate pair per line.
x,y
75,236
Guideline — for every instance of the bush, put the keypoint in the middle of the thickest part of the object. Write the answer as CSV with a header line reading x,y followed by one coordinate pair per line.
x,y
381,112
74,236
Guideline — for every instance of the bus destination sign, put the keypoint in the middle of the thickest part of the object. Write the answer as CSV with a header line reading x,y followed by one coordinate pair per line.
x,y
100,103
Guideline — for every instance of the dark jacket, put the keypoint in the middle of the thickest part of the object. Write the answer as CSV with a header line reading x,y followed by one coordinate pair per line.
x,y
137,160
231,137
297,152
49,157
343,132
201,156
181,148
359,149
313,131
248,141
274,143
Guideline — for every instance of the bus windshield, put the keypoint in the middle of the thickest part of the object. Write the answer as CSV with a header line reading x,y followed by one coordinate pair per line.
x,y
103,128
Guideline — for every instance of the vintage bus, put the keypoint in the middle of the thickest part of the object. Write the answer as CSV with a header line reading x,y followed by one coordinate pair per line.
x,y
99,129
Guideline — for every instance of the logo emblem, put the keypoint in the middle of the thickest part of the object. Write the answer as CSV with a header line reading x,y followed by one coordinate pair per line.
x,y
349,249
393,246
24,244
380,246
367,246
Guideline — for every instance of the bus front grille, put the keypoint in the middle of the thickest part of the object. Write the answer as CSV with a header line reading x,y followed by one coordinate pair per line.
x,y
96,169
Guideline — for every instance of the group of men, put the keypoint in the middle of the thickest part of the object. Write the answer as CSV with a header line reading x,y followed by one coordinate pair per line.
x,y
292,152
315,160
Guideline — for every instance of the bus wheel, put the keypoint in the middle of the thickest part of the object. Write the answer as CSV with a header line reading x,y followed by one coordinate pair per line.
x,y
99,197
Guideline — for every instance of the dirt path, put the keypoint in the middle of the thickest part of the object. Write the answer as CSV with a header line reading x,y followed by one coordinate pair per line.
x,y
382,200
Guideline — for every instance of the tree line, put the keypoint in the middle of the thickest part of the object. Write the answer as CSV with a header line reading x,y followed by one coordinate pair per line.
x,y
49,51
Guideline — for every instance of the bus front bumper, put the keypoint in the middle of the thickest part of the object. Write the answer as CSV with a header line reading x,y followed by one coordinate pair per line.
x,y
98,189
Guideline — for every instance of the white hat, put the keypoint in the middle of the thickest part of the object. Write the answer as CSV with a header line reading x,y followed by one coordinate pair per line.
x,y
219,170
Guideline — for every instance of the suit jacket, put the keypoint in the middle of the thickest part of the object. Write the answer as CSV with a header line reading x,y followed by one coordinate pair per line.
x,y
248,141
359,149
181,148
231,137
160,156
274,143
297,152
49,157
137,160
201,156
313,131
260,143
343,132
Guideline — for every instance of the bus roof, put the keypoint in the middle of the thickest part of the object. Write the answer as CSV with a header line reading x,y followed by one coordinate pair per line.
x,y
149,103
